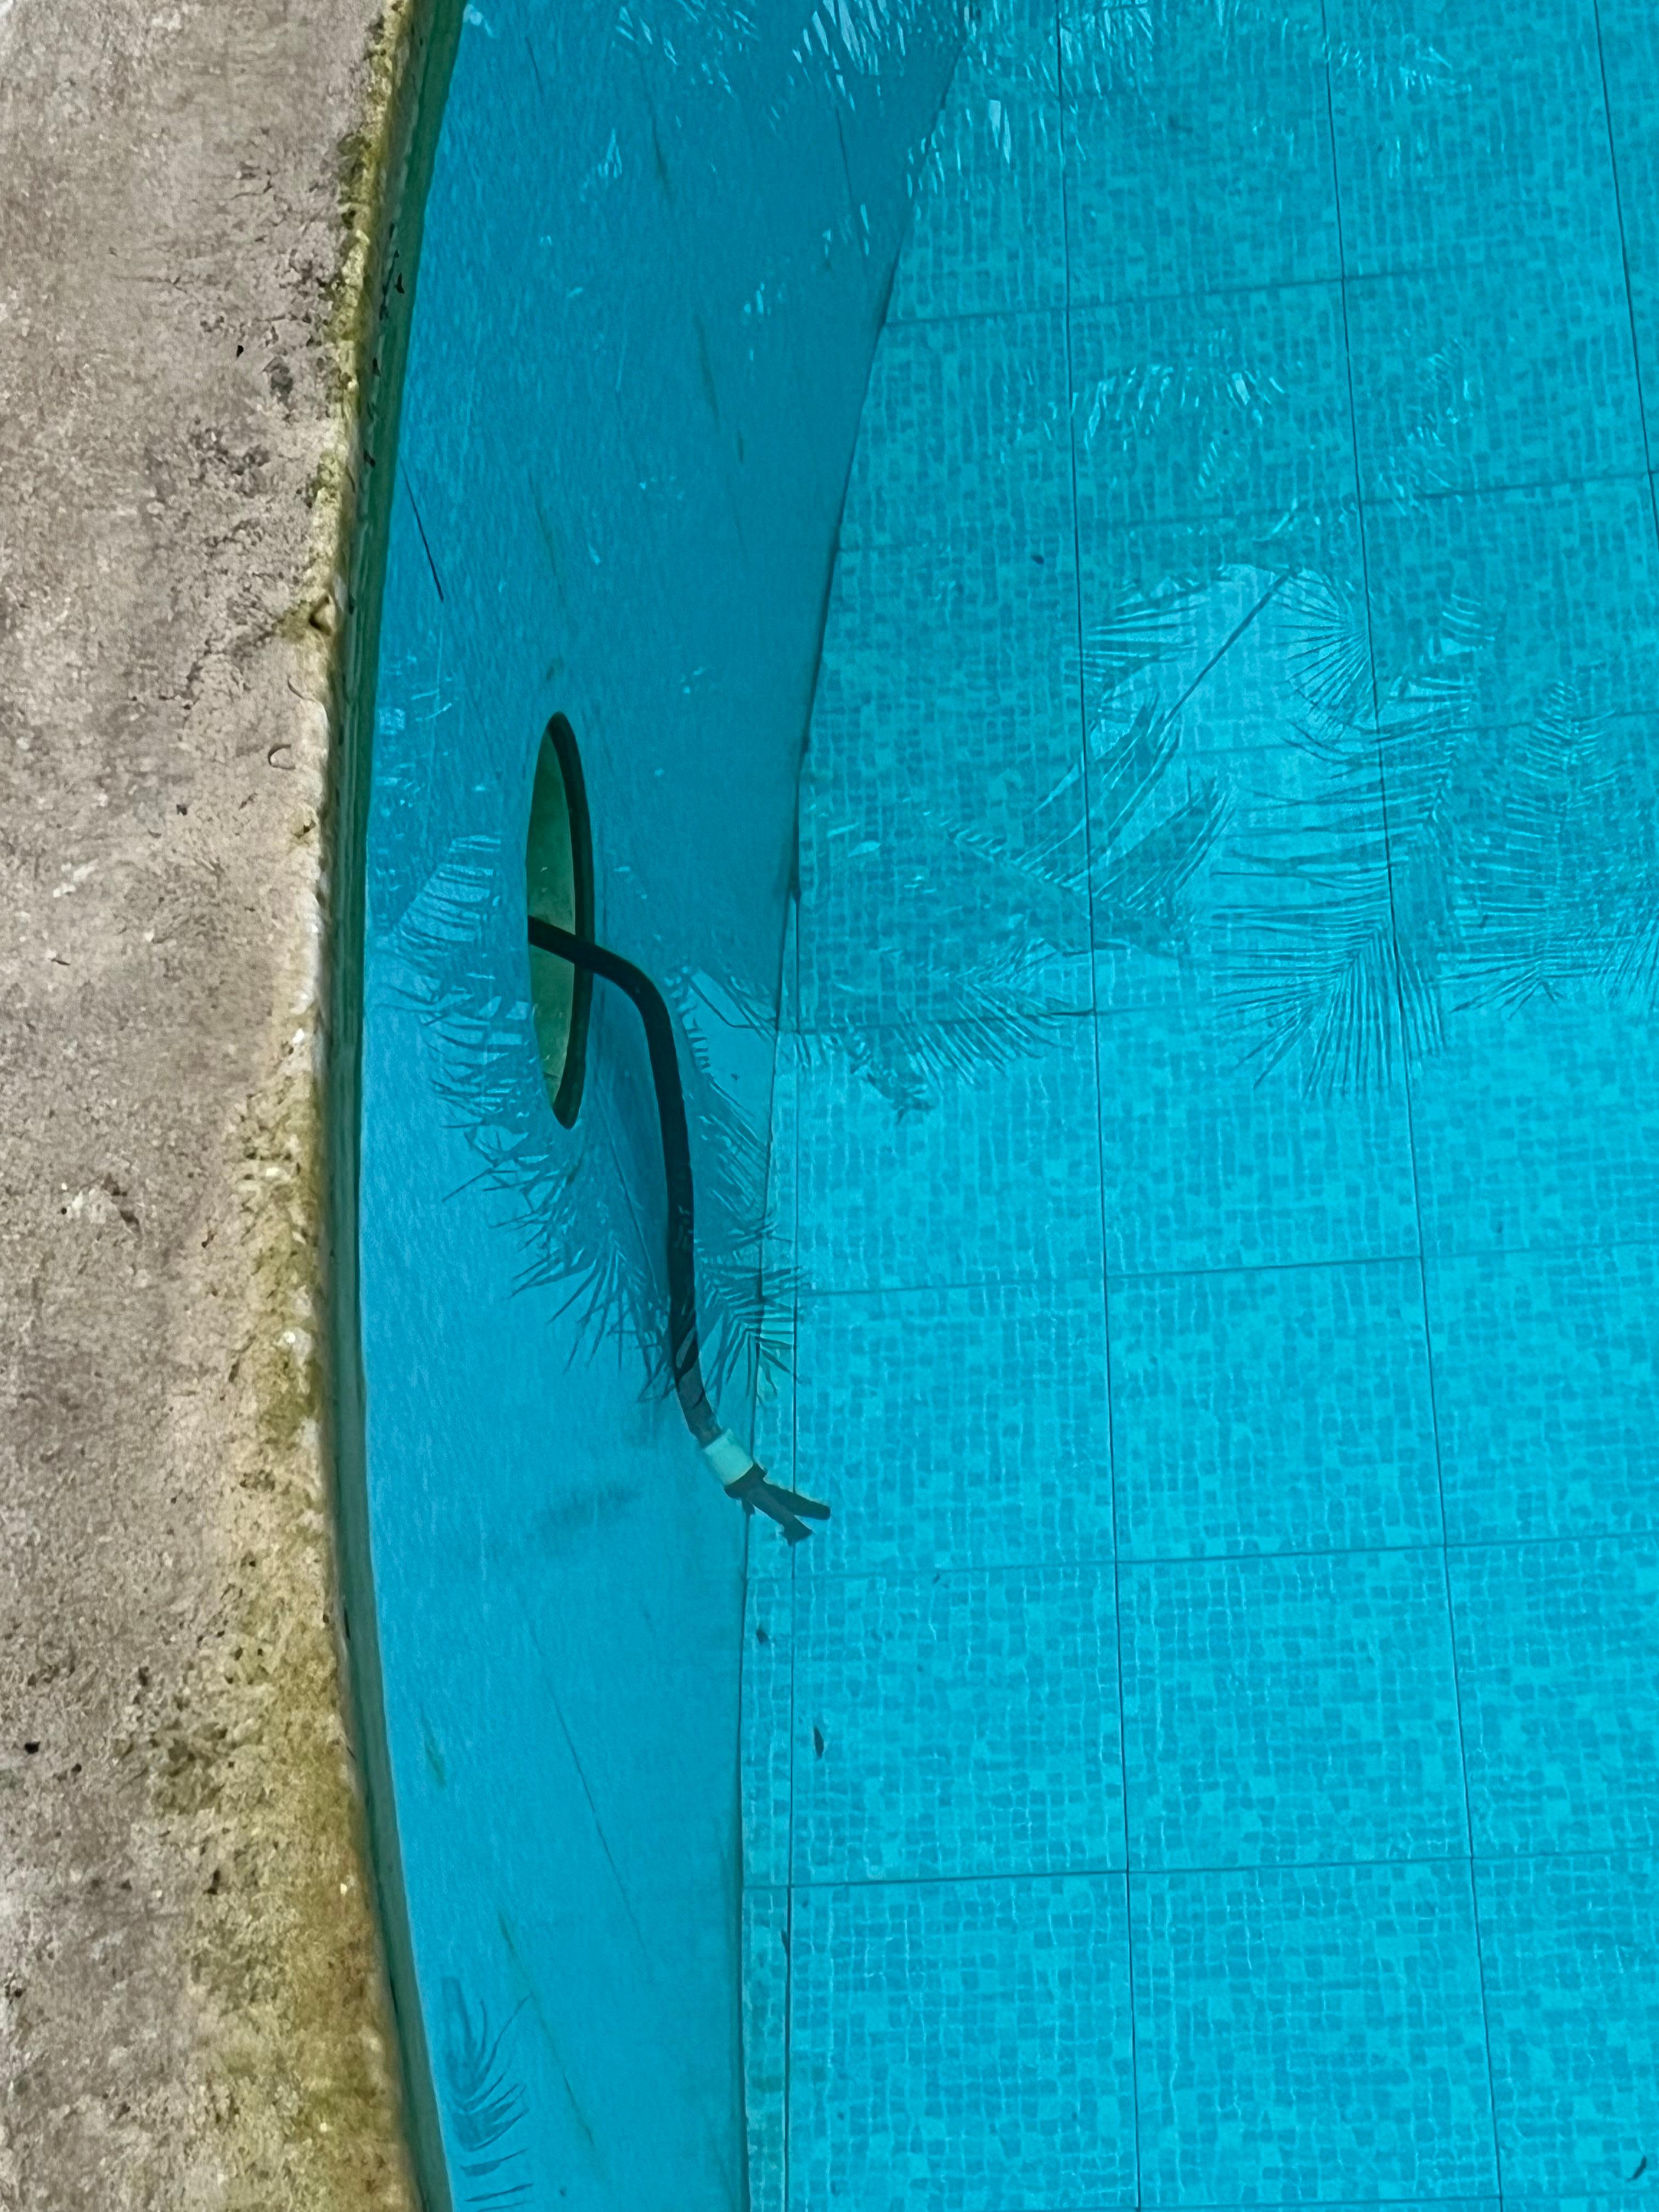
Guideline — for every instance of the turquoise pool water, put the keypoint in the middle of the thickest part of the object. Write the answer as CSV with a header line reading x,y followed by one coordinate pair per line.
x,y
1104,568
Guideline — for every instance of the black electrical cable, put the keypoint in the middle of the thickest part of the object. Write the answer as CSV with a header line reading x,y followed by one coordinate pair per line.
x,y
750,1488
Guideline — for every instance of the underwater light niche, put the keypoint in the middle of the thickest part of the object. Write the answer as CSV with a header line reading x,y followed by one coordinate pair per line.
x,y
559,912
559,889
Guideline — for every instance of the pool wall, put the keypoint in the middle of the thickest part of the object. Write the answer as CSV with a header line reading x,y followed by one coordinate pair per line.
x,y
656,253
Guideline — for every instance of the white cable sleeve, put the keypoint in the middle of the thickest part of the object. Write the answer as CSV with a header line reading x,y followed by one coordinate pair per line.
x,y
730,1460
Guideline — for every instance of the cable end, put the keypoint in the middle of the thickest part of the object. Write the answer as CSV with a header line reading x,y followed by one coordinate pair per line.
x,y
742,1477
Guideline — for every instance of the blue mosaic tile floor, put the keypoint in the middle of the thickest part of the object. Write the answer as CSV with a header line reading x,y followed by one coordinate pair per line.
x,y
1210,1758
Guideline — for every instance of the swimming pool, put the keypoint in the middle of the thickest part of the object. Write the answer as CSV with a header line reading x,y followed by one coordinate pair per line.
x,y
1102,568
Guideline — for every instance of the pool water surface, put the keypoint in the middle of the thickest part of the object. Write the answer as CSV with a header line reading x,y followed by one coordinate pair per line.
x,y
1159,886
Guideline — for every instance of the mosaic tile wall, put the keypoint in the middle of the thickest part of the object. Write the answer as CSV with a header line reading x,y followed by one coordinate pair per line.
x,y
1210,1758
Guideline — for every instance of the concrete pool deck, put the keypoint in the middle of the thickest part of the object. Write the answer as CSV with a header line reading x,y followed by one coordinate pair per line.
x,y
192,2012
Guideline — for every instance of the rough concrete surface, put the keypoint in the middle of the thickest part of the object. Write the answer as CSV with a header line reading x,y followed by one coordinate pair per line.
x,y
192,2013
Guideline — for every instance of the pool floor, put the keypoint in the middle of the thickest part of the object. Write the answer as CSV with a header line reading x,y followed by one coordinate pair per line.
x,y
1209,1757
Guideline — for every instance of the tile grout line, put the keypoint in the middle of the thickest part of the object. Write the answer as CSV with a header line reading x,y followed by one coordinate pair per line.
x,y
1138,1562
794,1483
1362,505
745,2054
1520,487
1179,2203
1196,518
1099,1103
1010,1285
754,1586
1494,261
1208,1871
762,1587
1623,258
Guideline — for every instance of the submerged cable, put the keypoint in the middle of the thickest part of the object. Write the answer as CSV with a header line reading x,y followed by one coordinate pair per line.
x,y
740,1474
